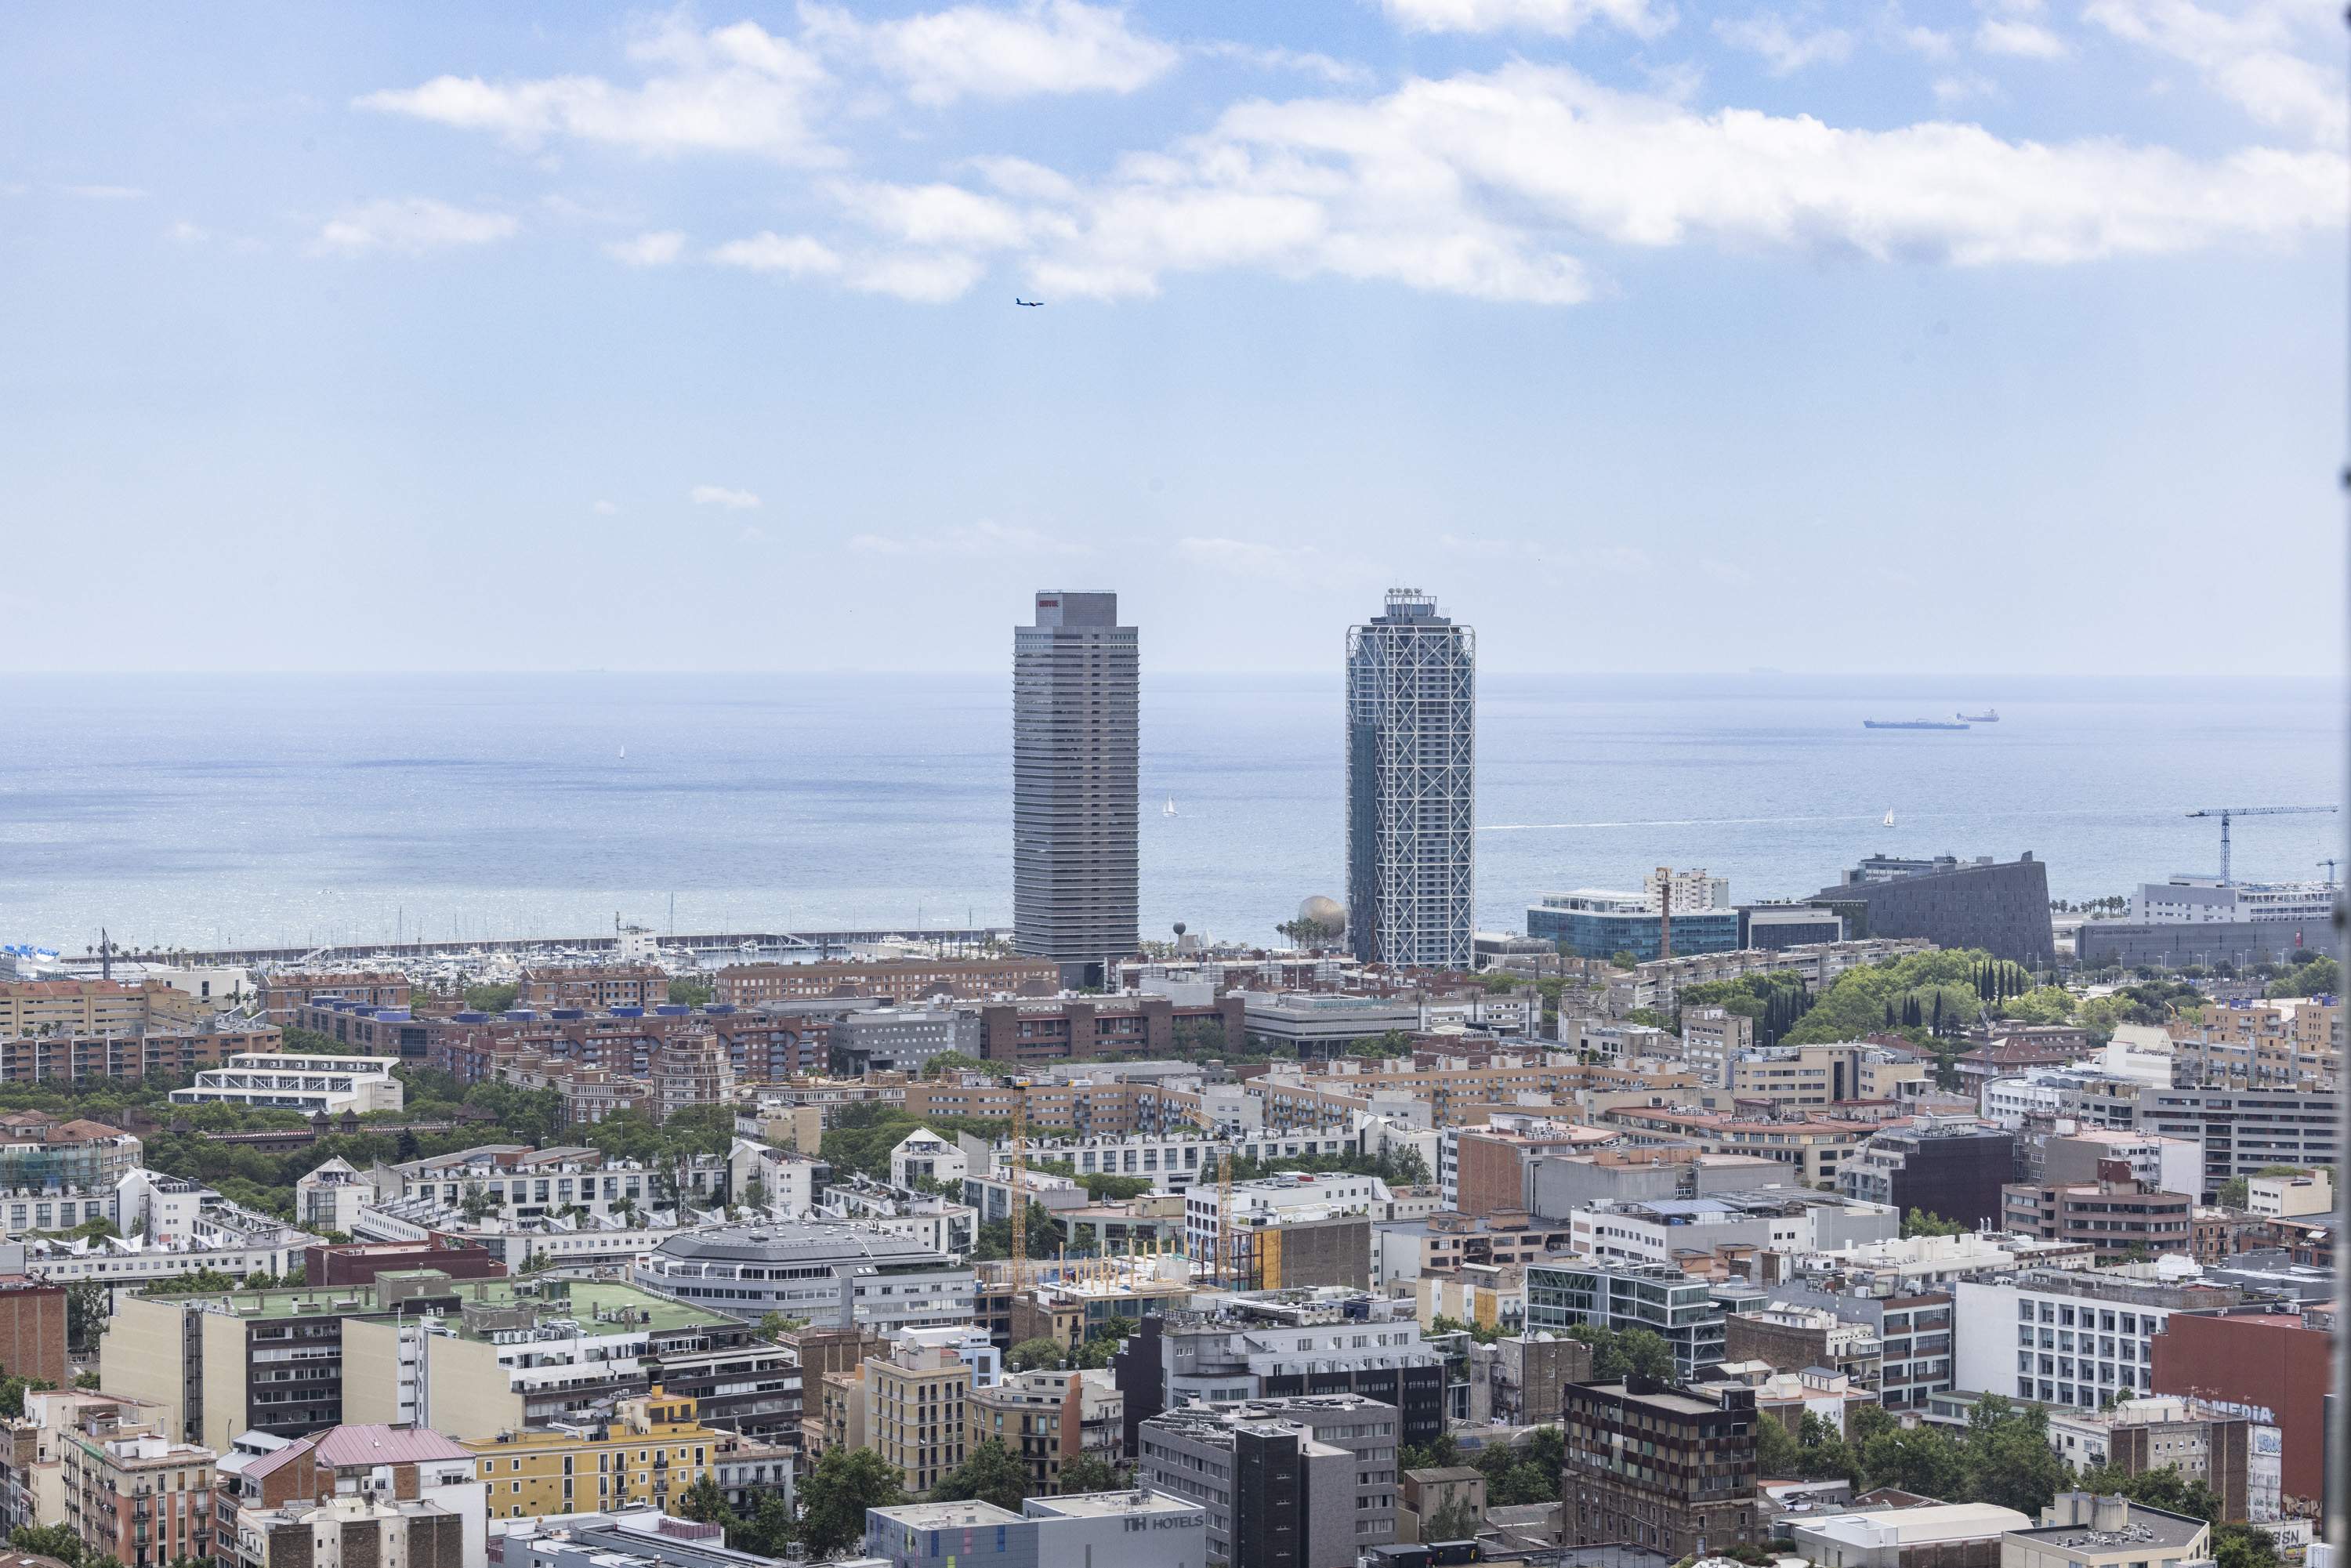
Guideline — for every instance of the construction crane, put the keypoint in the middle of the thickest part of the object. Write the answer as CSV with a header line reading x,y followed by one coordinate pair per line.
x,y
1665,912
2329,863
1224,1217
2225,812
1016,1202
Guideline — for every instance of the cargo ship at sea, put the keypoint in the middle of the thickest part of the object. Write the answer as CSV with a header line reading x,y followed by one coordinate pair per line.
x,y
1910,723
1989,716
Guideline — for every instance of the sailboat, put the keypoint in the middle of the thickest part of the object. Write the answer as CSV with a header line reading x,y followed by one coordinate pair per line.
x,y
624,753
1889,819
1168,809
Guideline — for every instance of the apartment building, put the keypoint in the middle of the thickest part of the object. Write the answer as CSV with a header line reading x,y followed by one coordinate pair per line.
x,y
267,1506
1279,1345
1042,1030
2117,1218
1310,1482
282,992
2073,1338
652,1449
1790,1337
76,1007
899,980
1766,1219
593,988
763,1045
2243,1130
2202,1441
136,1495
2286,1043
355,1527
1088,1108
515,1183
1659,983
1660,1298
914,1398
1813,1147
1485,1168
1045,1418
1664,1467
1820,1076
1712,1039
1173,1161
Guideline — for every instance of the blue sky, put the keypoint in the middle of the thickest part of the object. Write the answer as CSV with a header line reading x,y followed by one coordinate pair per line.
x,y
1987,337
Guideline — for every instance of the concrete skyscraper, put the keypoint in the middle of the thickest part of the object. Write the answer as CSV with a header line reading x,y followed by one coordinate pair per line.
x,y
1076,698
1412,754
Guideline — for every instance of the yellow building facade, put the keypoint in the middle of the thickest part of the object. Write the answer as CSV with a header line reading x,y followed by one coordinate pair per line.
x,y
652,1451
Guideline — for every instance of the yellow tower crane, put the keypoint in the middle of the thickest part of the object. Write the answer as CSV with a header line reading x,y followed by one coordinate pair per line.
x,y
1016,1205
1223,1269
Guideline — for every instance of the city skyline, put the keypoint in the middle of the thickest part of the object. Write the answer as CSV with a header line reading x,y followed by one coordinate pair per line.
x,y
1876,339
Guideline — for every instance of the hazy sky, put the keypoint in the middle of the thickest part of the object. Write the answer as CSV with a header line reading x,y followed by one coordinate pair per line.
x,y
2002,336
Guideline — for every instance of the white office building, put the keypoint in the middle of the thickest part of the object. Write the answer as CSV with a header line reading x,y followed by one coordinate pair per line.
x,y
2078,1338
311,1084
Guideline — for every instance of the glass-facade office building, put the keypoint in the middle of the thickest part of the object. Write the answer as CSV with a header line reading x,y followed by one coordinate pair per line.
x,y
1603,933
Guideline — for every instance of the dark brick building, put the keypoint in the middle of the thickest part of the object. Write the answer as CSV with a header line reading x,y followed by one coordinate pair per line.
x,y
1657,1466
359,1263
2001,906
1076,1028
1950,1166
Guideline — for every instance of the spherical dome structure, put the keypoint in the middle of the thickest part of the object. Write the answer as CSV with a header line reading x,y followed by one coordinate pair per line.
x,y
1179,928
1323,911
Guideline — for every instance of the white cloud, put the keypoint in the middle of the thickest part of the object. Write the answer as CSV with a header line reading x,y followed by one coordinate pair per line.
x,y
2028,40
1645,18
986,51
104,193
752,534
1723,571
605,509
720,495
1306,62
656,250
931,280
1783,49
186,233
934,215
1963,86
1487,185
2249,57
1622,558
736,89
411,225
1931,42
795,255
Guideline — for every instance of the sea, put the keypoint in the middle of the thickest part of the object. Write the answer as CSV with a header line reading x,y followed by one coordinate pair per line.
x,y
210,811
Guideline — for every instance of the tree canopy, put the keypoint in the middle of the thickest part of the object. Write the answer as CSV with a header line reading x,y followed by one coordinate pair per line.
x,y
988,1474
